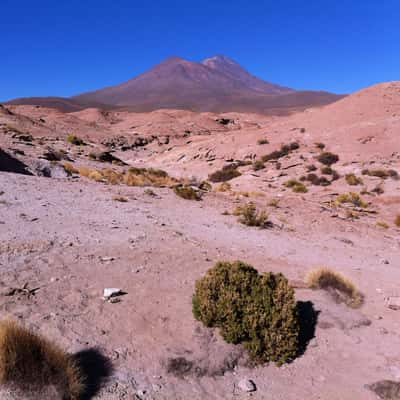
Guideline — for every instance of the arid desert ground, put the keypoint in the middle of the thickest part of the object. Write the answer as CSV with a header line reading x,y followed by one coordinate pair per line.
x,y
69,230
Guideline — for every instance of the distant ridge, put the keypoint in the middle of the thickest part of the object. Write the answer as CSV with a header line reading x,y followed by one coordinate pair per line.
x,y
217,84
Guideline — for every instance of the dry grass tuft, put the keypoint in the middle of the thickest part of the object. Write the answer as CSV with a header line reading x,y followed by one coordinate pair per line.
x,y
397,221
341,288
274,203
30,362
353,180
224,187
70,169
382,224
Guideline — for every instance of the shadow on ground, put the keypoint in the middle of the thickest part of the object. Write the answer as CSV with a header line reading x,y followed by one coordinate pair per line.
x,y
96,369
308,318
11,164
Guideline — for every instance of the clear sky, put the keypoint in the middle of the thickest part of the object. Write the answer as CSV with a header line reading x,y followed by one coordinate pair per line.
x,y
57,47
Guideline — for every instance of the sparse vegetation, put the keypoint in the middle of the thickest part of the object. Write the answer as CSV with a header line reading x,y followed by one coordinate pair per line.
x,y
187,192
397,221
248,215
352,198
75,140
70,169
341,288
381,173
328,158
273,203
257,165
284,151
311,168
120,199
224,187
382,224
296,186
319,145
327,170
227,173
353,180
259,311
30,362
317,180
378,189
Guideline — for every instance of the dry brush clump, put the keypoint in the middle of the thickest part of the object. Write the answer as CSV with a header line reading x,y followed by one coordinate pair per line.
x,y
131,177
352,198
296,186
316,180
250,216
382,173
75,140
328,158
188,192
397,221
258,165
29,362
341,288
227,173
285,150
259,311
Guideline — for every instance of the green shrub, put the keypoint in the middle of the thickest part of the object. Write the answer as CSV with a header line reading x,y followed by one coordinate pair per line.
x,y
259,311
328,158
248,215
227,173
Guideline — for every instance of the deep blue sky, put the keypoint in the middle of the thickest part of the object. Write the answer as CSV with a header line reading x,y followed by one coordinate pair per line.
x,y
56,47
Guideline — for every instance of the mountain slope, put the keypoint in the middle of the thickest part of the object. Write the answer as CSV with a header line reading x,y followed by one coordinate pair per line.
x,y
217,84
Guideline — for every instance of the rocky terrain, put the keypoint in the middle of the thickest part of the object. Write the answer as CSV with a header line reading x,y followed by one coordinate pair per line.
x,y
70,228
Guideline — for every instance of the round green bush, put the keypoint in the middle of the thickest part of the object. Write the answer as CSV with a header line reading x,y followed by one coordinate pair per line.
x,y
257,310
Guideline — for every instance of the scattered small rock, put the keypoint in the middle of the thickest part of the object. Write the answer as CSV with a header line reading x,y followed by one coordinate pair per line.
x,y
247,385
393,302
111,292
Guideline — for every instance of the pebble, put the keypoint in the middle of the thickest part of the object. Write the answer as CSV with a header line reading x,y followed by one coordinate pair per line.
x,y
247,385
110,292
393,302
